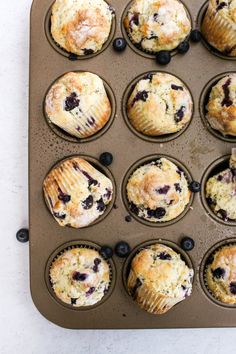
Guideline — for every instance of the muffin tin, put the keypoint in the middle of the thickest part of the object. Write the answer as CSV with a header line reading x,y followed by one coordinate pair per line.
x,y
196,149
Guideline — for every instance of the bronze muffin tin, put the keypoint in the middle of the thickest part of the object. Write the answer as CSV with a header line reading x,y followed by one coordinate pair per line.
x,y
197,149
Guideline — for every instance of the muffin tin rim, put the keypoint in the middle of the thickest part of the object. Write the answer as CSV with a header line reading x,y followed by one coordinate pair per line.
x,y
159,138
205,176
201,274
103,169
141,162
70,245
173,245
63,52
140,51
205,93
70,138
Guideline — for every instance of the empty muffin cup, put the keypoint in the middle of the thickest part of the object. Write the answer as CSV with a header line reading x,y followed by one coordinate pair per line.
x,y
78,277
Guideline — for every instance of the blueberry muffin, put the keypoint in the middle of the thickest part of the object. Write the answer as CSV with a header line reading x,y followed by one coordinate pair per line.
x,y
158,191
221,274
81,26
219,26
155,25
221,107
80,277
221,192
76,193
78,103
159,279
159,104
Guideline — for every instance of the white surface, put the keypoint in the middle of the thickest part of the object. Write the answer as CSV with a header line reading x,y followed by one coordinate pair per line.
x,y
22,329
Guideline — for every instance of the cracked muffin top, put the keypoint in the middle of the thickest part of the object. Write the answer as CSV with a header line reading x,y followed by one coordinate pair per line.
x,y
159,104
81,26
77,193
156,25
77,103
80,277
221,107
158,191
221,274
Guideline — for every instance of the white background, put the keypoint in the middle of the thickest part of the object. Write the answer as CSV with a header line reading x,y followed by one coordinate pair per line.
x,y
22,329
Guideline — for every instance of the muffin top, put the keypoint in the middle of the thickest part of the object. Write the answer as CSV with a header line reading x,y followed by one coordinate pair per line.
x,y
159,104
81,26
77,103
158,191
221,107
80,277
156,25
221,192
221,274
162,271
226,9
76,193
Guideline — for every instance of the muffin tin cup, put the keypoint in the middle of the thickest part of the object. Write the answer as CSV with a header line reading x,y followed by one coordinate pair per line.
x,y
204,98
62,51
138,49
217,166
95,163
142,162
207,45
202,272
137,249
79,244
152,139
66,136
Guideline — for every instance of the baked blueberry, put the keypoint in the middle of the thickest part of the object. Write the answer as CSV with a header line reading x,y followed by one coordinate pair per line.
x,y
119,44
232,287
163,57
128,218
187,243
79,276
122,249
88,202
164,256
97,261
106,158
218,273
195,187
183,47
71,102
195,36
106,252
22,235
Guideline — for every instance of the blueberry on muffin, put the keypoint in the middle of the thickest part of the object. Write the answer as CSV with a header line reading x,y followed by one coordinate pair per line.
x,y
81,27
155,25
80,277
159,104
221,274
158,191
77,103
159,279
219,26
221,191
76,193
221,107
